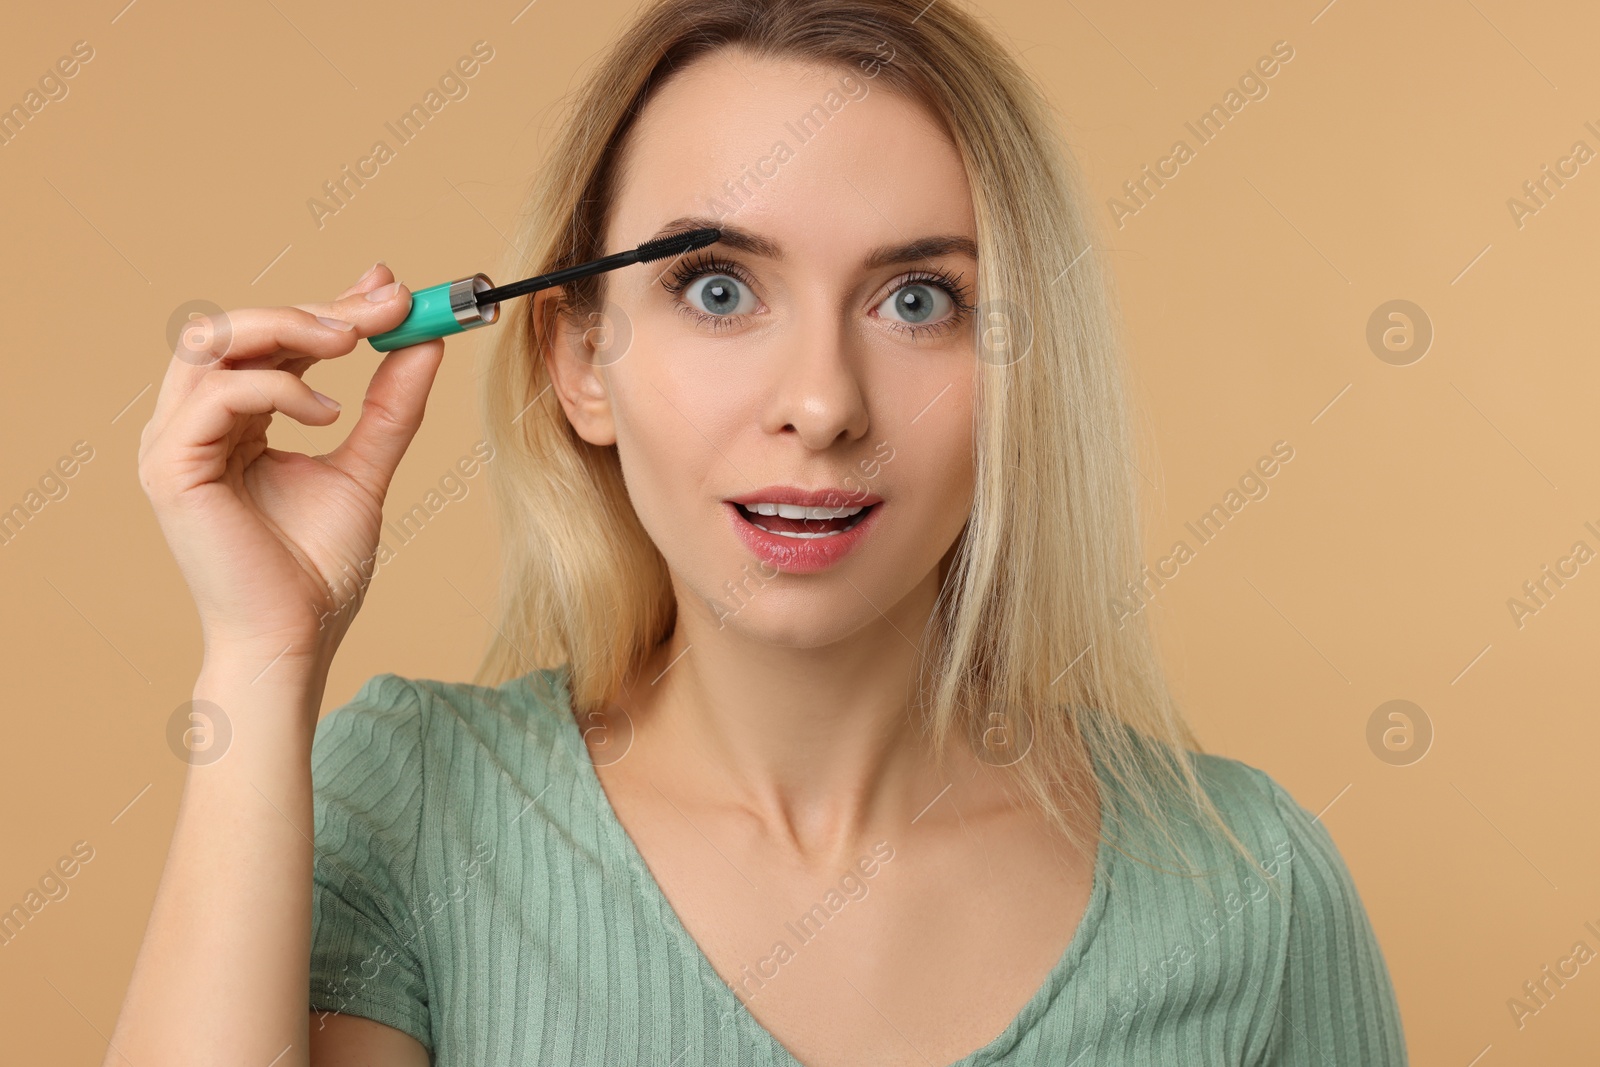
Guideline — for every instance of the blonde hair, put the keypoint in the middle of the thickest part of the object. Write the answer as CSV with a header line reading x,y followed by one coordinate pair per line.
x,y
1023,620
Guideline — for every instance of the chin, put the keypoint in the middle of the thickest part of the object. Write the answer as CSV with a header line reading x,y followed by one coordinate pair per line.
x,y
794,620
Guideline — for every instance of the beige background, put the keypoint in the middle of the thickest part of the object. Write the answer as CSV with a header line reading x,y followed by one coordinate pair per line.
x,y
1379,567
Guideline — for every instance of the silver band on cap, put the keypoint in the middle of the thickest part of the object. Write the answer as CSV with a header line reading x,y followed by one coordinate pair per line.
x,y
464,302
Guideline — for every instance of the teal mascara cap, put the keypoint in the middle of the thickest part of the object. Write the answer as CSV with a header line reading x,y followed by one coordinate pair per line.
x,y
440,310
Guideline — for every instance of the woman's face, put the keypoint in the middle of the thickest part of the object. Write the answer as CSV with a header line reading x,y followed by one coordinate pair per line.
x,y
807,358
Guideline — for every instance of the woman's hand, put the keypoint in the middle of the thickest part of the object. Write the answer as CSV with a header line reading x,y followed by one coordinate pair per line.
x,y
277,547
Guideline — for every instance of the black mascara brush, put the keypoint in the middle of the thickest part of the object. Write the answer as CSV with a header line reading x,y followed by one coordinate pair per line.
x,y
468,303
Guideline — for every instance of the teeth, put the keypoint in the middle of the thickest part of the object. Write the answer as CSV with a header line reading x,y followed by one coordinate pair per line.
x,y
791,533
795,511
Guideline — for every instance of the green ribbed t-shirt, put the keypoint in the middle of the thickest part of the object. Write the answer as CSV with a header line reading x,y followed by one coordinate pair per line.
x,y
474,888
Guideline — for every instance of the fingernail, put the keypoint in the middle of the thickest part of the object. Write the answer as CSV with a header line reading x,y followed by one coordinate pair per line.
x,y
328,400
368,274
384,292
334,324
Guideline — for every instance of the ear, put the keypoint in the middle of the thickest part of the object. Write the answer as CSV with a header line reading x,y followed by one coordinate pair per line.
x,y
575,375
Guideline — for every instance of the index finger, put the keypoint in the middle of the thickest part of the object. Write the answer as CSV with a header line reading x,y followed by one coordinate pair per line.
x,y
264,337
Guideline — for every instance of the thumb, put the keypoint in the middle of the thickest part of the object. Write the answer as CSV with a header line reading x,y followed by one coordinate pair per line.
x,y
391,413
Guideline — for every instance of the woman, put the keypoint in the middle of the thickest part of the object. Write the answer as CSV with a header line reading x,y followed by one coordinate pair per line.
x,y
737,782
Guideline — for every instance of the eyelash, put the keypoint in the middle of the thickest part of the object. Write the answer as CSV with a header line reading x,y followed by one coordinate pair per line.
x,y
710,263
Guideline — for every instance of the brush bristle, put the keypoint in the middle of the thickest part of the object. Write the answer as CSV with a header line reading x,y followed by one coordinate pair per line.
x,y
677,244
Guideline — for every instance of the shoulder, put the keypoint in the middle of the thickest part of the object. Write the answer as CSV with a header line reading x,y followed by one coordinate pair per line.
x,y
392,718
1283,942
1326,912
1291,848
1255,807
381,725
1333,980
1268,817
1334,995
1259,812
394,768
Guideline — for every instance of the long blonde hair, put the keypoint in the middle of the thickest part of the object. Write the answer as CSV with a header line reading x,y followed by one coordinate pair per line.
x,y
1023,628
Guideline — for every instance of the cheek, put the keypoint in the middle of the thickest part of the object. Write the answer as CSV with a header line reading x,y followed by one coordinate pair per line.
x,y
686,401
925,464
674,423
941,442
945,479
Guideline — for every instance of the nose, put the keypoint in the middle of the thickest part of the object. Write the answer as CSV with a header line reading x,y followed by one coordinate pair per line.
x,y
818,388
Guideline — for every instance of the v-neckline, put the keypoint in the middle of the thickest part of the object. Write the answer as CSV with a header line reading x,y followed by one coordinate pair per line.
x,y
1020,1023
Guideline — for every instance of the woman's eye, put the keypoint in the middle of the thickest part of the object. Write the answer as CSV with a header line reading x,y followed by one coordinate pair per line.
x,y
718,294
917,303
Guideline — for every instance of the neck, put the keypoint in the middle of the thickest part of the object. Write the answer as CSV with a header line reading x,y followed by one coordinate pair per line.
x,y
818,744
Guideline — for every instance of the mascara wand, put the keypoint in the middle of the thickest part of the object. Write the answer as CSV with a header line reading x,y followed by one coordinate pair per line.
x,y
467,303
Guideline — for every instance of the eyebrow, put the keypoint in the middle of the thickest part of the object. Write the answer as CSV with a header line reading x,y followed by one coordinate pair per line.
x,y
757,245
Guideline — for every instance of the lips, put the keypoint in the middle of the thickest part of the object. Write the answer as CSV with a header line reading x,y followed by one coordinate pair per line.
x,y
803,544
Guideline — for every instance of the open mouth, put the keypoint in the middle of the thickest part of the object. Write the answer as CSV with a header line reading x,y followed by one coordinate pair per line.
x,y
788,520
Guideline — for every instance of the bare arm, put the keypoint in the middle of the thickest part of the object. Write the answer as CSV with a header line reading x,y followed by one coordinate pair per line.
x,y
262,537
351,1041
